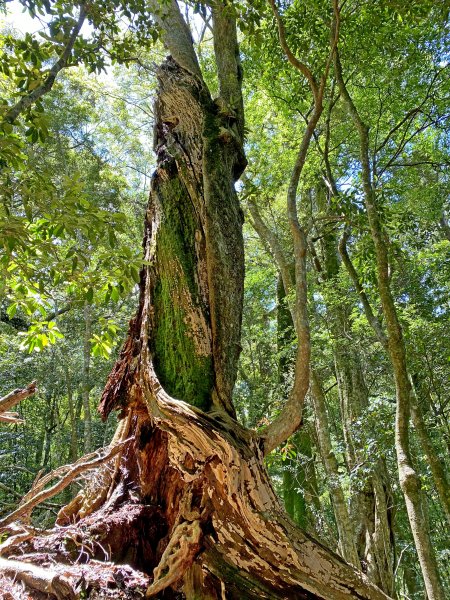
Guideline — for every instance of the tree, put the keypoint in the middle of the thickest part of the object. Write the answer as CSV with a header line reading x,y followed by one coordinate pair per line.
x,y
189,495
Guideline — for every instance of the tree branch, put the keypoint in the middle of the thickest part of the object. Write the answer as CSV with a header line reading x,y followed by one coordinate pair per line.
x,y
372,319
269,238
15,397
290,418
295,62
176,34
67,473
28,100
229,70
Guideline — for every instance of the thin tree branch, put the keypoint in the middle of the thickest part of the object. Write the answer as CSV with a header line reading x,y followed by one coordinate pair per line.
x,y
295,62
67,473
410,114
372,319
63,61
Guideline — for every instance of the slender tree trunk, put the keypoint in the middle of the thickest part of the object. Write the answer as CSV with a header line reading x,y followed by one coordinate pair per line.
x,y
438,473
50,425
345,527
371,530
409,479
86,384
299,481
372,527
73,449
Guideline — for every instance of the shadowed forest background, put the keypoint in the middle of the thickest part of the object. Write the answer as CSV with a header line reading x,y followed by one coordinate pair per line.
x,y
75,176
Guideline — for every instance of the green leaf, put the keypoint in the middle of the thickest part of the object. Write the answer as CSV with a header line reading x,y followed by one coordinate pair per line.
x,y
135,274
11,310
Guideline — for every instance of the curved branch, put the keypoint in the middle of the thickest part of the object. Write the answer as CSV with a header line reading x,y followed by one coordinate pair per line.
x,y
295,62
290,418
63,61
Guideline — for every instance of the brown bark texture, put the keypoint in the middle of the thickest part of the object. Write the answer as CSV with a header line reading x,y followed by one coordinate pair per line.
x,y
13,398
186,509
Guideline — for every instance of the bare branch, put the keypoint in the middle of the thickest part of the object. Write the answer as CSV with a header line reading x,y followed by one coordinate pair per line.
x,y
290,418
15,397
67,473
11,417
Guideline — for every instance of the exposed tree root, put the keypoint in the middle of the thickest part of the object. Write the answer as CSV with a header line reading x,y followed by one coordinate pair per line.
x,y
192,492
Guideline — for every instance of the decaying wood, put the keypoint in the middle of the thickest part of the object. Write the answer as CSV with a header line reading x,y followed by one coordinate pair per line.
x,y
37,578
11,417
67,474
11,400
15,540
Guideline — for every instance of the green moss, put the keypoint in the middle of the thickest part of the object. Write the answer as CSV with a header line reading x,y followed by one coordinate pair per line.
x,y
183,371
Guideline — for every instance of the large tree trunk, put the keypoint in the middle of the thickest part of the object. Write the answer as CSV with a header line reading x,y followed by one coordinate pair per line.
x,y
188,503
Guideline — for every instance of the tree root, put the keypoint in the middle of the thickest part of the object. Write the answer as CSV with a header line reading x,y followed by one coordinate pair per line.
x,y
38,578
